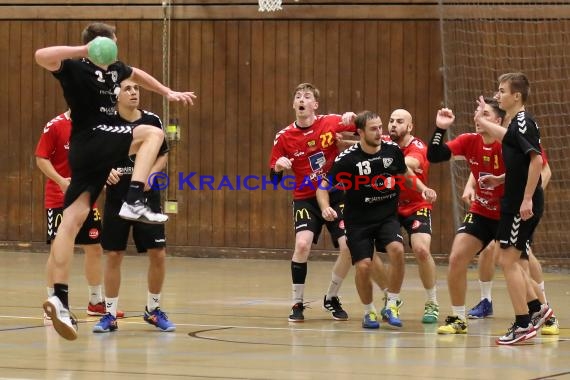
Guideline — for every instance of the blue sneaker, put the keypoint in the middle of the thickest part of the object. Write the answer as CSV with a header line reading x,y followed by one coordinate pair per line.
x,y
370,321
483,309
159,319
107,323
391,314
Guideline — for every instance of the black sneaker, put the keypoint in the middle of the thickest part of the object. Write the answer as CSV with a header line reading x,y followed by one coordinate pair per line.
x,y
297,313
335,307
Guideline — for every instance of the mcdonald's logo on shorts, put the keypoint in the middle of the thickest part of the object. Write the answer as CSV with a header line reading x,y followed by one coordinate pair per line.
x,y
302,214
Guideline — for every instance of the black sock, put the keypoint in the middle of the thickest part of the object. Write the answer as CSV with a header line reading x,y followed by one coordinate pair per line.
x,y
534,306
298,272
61,291
135,193
522,320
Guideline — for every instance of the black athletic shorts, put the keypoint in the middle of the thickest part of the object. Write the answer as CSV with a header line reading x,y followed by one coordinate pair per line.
x,y
515,232
307,216
90,232
362,239
116,232
418,222
92,155
481,227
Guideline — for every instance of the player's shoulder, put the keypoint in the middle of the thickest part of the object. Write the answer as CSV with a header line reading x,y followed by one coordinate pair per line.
x,y
389,144
59,121
284,132
469,137
522,121
348,152
151,117
327,120
417,144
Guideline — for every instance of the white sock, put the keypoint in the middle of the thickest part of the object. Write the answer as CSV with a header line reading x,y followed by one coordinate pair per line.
x,y
459,311
95,294
50,291
393,298
298,291
334,286
486,288
111,305
152,301
432,295
369,308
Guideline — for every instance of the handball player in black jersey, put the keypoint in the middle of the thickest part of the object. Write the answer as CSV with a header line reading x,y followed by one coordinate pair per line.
x,y
522,204
98,140
371,173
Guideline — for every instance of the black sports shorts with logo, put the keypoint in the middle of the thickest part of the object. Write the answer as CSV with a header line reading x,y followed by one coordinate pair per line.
x,y
307,216
90,232
479,226
515,232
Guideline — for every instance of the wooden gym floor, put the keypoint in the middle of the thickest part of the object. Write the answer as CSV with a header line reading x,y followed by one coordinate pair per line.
x,y
231,318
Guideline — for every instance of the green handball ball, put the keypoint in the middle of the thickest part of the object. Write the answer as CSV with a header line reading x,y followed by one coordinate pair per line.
x,y
102,51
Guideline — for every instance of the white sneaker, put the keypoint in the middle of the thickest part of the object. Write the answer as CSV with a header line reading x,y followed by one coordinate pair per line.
x,y
60,318
140,212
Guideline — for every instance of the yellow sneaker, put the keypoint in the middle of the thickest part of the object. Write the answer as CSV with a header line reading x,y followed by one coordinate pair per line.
x,y
453,325
550,327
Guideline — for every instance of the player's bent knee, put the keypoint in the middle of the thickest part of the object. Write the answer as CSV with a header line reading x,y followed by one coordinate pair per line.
x,y
422,254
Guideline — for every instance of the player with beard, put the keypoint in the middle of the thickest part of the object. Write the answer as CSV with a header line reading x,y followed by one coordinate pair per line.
x,y
370,173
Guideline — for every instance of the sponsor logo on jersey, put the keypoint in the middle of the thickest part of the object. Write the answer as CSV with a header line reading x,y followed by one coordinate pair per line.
x,y
317,161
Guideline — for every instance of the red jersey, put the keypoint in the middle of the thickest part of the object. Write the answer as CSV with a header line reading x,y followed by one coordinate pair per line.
x,y
312,150
483,159
54,146
410,199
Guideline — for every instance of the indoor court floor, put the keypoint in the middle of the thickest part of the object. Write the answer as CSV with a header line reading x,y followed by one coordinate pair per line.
x,y
231,318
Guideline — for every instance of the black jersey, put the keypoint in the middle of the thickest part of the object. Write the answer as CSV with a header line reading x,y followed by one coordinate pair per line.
x,y
371,182
116,193
91,91
522,137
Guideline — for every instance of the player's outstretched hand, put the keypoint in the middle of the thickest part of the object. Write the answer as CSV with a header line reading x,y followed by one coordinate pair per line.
x,y
429,195
329,214
489,181
468,195
480,108
114,177
184,97
444,118
348,118
283,163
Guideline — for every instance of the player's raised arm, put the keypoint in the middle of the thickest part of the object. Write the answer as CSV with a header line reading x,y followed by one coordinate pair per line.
x,y
438,150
